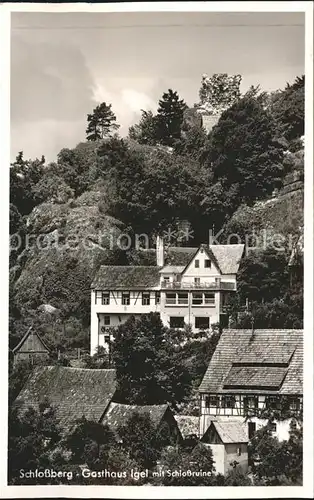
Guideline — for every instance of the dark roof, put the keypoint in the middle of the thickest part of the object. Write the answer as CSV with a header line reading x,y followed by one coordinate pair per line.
x,y
27,334
179,256
188,425
278,352
255,376
124,277
117,413
230,431
73,392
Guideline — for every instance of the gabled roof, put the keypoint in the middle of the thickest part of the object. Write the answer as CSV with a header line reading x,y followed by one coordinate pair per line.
x,y
275,354
188,425
126,277
229,431
228,257
117,414
27,334
73,392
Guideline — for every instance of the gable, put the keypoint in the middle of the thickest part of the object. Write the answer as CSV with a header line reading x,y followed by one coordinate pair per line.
x,y
202,255
31,342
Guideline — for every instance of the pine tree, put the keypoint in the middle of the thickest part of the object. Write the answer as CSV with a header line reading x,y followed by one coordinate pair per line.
x,y
101,122
170,117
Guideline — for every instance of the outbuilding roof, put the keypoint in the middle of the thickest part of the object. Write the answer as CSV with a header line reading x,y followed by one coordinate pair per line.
x,y
188,425
245,361
73,392
117,413
229,431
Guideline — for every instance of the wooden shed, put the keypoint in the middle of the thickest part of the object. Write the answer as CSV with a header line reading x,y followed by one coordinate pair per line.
x,y
31,348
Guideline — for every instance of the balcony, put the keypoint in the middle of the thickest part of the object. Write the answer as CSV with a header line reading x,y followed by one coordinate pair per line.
x,y
179,285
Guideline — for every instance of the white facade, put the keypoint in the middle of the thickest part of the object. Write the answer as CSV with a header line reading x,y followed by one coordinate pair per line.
x,y
194,295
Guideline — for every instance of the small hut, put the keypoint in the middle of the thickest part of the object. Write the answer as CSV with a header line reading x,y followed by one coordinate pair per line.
x,y
31,348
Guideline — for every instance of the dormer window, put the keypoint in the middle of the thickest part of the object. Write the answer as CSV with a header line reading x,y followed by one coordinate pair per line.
x,y
197,263
208,263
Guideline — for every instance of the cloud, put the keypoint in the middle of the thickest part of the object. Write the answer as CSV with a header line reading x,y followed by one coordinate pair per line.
x,y
138,100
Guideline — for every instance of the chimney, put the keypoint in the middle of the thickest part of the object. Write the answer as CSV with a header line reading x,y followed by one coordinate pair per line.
x,y
160,251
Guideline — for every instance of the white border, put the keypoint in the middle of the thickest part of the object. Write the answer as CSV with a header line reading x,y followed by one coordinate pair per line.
x,y
306,491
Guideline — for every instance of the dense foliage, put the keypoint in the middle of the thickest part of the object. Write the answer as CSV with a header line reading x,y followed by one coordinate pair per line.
x,y
148,361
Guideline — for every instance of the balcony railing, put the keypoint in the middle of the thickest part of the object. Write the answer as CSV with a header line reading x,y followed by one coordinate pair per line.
x,y
218,285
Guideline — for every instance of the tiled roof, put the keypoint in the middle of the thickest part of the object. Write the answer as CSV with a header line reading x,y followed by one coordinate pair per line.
x,y
73,392
228,257
124,277
117,413
268,347
179,256
230,431
172,269
188,425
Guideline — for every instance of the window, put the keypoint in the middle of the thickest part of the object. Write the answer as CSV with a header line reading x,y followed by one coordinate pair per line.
x,y
125,298
176,322
252,429
202,322
239,451
105,298
98,296
197,281
273,427
157,297
107,320
145,298
228,402
272,403
167,279
170,298
250,402
294,404
212,401
208,263
197,298
183,298
209,298
178,278
197,263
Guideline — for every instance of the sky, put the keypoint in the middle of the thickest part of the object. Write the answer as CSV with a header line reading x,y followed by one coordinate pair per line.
x,y
64,64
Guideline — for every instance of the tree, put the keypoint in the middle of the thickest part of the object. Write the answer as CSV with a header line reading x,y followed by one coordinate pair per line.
x,y
24,175
89,442
199,461
33,437
287,109
149,368
101,122
139,439
274,462
244,153
170,117
263,276
145,132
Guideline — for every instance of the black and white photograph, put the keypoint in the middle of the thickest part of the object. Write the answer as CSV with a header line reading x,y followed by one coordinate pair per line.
x,y
158,325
